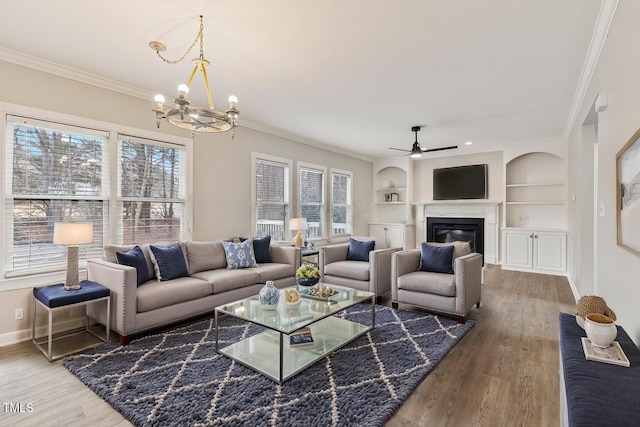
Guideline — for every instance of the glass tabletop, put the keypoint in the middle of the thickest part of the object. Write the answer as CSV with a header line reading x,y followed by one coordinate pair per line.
x,y
287,320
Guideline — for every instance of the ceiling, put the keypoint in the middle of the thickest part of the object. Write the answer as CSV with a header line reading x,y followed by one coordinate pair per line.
x,y
355,75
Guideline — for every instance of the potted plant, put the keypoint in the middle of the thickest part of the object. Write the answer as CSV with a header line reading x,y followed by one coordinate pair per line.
x,y
307,275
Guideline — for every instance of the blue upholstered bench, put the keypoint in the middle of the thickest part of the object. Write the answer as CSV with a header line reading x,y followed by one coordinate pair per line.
x,y
55,297
595,393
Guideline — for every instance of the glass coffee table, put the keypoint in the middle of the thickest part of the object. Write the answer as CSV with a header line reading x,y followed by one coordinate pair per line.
x,y
269,352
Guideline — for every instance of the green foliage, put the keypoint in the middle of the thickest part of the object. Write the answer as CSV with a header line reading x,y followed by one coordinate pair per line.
x,y
308,271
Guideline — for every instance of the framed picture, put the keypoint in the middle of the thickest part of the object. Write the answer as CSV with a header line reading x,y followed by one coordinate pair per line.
x,y
628,194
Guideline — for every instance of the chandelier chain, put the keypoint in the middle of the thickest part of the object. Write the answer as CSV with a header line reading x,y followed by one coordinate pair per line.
x,y
198,37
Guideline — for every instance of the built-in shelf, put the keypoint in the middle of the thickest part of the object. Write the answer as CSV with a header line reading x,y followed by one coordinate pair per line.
x,y
391,189
535,203
539,184
390,203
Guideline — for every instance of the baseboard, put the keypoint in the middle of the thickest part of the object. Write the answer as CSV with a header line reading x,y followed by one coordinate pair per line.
x,y
574,289
15,337
529,270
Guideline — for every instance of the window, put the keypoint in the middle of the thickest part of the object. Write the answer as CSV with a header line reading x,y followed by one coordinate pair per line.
x,y
312,198
341,203
271,195
60,168
151,190
53,173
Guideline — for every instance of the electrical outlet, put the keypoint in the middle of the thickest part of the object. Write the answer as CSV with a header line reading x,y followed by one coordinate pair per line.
x,y
19,314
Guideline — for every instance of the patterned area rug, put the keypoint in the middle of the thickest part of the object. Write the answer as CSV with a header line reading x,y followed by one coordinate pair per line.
x,y
176,378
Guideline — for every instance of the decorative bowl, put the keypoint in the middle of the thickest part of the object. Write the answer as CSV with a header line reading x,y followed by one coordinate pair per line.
x,y
290,305
601,330
307,282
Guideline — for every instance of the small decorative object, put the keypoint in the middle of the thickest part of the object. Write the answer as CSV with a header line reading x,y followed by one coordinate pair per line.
x,y
72,234
628,182
592,304
307,275
298,224
269,296
291,299
323,291
601,330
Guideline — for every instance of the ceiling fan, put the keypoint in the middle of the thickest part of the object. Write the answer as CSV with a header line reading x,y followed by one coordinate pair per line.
x,y
416,151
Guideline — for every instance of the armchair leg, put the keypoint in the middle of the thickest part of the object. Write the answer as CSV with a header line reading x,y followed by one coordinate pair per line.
x,y
460,319
378,299
478,304
394,305
125,340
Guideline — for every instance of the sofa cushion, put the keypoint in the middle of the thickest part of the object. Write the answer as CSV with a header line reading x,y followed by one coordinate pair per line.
x,y
240,254
436,259
224,280
431,283
168,262
261,250
359,251
203,256
356,270
153,295
273,271
110,254
460,248
135,258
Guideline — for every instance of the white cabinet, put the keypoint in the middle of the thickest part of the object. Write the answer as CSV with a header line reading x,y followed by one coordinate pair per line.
x,y
535,250
392,235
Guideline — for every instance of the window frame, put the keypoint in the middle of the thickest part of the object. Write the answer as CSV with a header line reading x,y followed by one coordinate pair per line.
x,y
255,158
111,153
323,205
349,227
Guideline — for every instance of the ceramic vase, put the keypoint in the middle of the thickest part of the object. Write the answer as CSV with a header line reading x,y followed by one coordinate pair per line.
x,y
601,330
269,296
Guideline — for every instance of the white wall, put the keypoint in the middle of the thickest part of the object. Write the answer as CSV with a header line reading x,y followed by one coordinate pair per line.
x,y
423,174
616,74
221,166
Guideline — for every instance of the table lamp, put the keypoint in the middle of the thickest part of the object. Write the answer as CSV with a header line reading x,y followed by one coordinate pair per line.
x,y
298,224
72,234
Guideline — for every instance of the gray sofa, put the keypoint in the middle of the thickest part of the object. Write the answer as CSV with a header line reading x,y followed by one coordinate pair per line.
x,y
138,308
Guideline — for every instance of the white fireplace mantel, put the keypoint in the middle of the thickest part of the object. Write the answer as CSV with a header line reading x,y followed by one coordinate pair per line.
x,y
490,211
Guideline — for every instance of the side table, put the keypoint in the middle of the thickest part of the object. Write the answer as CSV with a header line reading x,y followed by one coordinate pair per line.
x,y
309,252
54,298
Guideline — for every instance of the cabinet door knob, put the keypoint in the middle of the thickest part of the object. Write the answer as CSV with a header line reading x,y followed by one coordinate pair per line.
x,y
530,236
536,236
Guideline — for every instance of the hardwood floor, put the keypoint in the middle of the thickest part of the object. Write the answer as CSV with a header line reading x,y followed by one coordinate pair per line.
x,y
503,373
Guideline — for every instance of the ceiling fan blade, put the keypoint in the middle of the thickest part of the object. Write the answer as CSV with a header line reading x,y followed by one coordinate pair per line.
x,y
399,149
427,150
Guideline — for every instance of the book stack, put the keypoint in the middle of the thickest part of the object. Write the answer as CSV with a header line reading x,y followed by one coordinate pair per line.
x,y
300,337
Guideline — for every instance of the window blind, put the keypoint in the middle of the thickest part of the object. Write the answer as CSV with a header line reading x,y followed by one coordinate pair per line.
x,y
272,198
341,203
312,206
53,173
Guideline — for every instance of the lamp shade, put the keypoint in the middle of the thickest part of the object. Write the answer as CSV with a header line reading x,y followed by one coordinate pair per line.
x,y
298,224
72,233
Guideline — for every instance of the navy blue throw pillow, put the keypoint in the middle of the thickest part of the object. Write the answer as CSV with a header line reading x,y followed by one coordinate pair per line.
x,y
168,262
261,249
436,259
135,258
359,251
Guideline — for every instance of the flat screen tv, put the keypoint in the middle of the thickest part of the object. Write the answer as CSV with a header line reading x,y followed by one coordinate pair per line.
x,y
460,182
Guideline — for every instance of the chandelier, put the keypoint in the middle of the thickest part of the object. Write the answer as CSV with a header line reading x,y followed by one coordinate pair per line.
x,y
187,116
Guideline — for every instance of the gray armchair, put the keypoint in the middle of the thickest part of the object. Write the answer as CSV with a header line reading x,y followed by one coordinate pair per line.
x,y
373,276
452,294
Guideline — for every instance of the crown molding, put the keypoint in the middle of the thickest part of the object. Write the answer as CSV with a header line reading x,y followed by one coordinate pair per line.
x,y
604,22
39,64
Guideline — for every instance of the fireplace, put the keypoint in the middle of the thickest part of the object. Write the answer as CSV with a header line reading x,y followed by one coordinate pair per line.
x,y
449,229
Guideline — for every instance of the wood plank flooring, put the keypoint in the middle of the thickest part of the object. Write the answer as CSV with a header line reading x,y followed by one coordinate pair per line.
x,y
503,373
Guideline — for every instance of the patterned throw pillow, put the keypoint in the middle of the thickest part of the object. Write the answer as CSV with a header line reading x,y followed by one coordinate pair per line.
x,y
240,254
169,263
135,258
